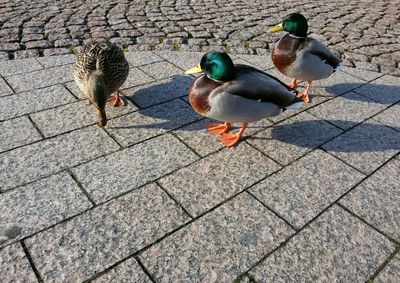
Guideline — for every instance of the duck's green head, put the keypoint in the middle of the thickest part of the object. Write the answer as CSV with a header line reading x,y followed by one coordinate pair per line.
x,y
295,24
217,65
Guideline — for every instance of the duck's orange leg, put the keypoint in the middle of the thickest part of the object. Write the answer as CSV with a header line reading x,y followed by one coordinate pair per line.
x,y
232,139
116,100
304,95
293,84
219,129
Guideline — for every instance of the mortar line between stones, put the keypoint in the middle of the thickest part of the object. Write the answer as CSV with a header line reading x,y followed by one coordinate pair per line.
x,y
384,264
144,269
80,186
183,142
32,264
8,84
37,129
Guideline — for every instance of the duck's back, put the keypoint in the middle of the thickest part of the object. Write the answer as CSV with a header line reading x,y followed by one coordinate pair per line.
x,y
106,57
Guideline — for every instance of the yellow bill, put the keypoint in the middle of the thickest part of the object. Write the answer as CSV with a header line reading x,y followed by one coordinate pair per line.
x,y
194,70
276,28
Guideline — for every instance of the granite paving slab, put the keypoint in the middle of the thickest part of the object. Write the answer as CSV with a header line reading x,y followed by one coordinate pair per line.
x,y
161,70
381,90
8,68
390,117
52,61
219,246
360,73
136,77
136,59
33,207
183,60
336,246
78,249
391,272
377,199
4,88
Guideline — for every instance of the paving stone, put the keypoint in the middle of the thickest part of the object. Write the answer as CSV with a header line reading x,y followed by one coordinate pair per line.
x,y
77,249
73,116
360,73
53,61
339,83
13,67
150,122
41,78
4,88
37,160
347,110
136,77
260,62
391,272
381,90
17,132
376,199
15,266
161,70
114,174
294,137
183,60
160,91
202,252
33,101
335,247
129,272
366,147
74,89
305,188
33,207
217,177
390,117
136,59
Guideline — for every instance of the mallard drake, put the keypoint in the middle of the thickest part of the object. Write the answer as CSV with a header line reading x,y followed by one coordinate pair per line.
x,y
236,93
100,70
300,57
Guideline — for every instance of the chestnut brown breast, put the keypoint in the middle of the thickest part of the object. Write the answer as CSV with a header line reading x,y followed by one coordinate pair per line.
x,y
285,52
199,92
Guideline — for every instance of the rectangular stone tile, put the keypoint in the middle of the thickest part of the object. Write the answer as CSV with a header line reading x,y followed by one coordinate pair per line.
x,y
182,59
41,78
52,61
381,90
377,199
17,132
306,187
13,67
391,272
160,91
136,77
217,177
261,62
390,117
33,101
128,271
72,116
114,174
26,164
219,246
347,110
361,73
4,88
161,70
391,79
367,146
150,122
335,247
77,249
294,137
136,59
15,266
33,207
74,89
339,83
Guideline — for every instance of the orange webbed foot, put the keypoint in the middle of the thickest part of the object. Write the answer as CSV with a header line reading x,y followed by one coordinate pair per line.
x,y
230,140
219,129
293,84
116,100
304,96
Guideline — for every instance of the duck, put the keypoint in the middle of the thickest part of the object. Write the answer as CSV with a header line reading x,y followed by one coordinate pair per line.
x,y
99,71
236,94
300,57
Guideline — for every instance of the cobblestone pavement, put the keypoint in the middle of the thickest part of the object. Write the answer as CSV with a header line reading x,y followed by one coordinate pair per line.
x,y
312,195
366,34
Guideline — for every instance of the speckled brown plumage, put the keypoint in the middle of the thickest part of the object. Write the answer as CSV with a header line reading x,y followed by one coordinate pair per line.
x,y
285,52
199,92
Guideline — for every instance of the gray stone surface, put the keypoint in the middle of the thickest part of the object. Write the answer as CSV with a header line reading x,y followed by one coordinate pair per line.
x,y
219,246
73,116
161,70
360,73
17,132
78,249
347,110
114,174
335,247
183,60
4,88
53,61
390,117
136,77
294,137
381,90
37,160
367,146
33,207
15,266
147,123
391,272
136,59
376,199
308,186
128,272
74,89
231,171
33,101
8,68
339,83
